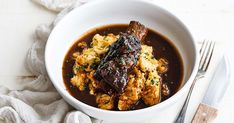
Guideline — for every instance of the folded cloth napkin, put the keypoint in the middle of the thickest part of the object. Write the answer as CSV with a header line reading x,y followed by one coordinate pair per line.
x,y
39,102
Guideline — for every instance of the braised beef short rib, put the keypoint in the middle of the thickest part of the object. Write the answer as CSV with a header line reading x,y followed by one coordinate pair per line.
x,y
122,55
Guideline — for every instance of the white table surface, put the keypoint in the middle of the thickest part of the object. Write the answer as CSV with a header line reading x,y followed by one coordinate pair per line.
x,y
206,19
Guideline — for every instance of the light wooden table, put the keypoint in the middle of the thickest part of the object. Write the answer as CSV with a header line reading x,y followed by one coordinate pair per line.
x,y
206,19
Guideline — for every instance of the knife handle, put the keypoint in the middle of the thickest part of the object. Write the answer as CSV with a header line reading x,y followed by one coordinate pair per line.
x,y
204,114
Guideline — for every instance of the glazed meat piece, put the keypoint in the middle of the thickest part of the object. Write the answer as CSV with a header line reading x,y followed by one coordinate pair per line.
x,y
118,62
120,59
137,29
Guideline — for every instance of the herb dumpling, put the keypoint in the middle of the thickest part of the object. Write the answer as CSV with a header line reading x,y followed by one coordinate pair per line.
x,y
147,62
79,81
101,44
88,57
151,94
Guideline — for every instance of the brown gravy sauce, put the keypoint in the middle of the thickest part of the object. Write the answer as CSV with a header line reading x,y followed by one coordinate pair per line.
x,y
162,47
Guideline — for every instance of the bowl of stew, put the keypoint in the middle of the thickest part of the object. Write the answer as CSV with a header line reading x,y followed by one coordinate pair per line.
x,y
118,62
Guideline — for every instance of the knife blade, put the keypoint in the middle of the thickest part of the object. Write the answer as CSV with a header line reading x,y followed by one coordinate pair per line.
x,y
207,109
218,84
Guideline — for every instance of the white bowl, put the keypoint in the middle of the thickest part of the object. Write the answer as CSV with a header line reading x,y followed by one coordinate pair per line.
x,y
102,12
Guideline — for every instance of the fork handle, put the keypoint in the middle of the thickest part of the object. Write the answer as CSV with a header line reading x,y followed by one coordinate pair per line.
x,y
205,114
181,116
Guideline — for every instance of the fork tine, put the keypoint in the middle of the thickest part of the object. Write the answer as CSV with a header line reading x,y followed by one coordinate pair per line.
x,y
203,53
202,47
209,56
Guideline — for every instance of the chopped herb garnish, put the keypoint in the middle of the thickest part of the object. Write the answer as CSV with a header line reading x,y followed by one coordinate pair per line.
x,y
94,66
122,61
83,67
78,68
105,38
69,75
85,87
146,53
134,61
154,82
130,48
95,60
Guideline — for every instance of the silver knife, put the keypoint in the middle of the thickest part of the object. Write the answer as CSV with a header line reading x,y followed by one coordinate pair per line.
x,y
207,109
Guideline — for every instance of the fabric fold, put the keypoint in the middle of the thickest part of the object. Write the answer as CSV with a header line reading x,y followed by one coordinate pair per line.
x,y
39,102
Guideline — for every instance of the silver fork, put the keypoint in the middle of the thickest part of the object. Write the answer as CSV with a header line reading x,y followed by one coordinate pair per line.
x,y
206,52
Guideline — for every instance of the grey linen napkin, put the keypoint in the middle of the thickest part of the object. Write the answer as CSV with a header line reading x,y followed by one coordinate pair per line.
x,y
39,102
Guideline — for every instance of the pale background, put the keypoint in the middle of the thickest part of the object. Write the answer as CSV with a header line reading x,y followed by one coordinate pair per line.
x,y
206,19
